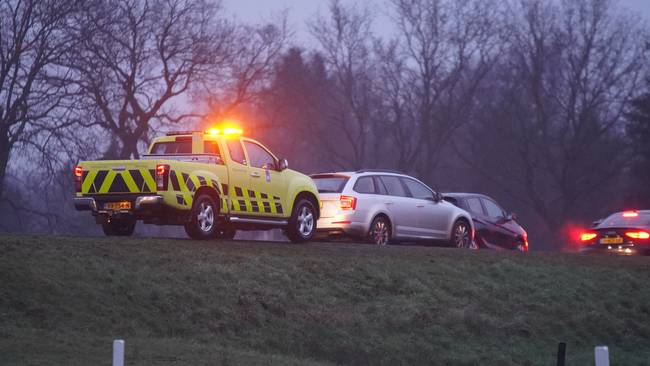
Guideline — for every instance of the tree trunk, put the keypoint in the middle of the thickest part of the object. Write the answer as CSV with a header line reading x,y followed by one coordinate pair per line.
x,y
5,149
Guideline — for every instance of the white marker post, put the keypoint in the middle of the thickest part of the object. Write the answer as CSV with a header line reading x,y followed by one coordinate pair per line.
x,y
601,353
118,352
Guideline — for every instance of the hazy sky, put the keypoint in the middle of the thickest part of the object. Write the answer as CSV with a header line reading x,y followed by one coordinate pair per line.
x,y
302,10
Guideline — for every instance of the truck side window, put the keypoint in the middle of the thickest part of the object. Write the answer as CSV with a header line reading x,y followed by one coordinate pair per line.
x,y
258,156
211,147
236,151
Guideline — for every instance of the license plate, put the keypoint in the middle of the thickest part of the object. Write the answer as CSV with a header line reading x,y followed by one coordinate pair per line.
x,y
616,240
123,205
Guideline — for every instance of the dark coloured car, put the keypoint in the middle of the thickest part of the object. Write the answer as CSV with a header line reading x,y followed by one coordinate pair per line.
x,y
623,233
495,228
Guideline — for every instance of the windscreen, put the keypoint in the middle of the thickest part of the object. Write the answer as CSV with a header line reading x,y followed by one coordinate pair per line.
x,y
621,219
330,183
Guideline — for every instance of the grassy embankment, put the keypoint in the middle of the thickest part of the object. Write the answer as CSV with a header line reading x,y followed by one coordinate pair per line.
x,y
181,302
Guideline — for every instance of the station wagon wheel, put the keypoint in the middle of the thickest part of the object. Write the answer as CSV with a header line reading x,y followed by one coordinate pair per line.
x,y
302,224
203,218
380,231
460,235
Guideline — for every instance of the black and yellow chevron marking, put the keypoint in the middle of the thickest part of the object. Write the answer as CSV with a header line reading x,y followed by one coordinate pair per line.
x,y
126,181
183,184
254,202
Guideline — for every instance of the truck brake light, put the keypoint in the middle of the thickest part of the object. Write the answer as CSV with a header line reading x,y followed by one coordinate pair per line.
x,y
348,203
78,173
162,177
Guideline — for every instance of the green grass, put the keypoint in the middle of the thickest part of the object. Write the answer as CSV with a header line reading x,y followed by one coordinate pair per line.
x,y
180,302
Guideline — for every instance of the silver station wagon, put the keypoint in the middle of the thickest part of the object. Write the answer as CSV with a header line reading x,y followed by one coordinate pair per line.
x,y
384,206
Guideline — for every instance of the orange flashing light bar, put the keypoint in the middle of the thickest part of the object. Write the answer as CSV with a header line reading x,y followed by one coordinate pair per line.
x,y
226,131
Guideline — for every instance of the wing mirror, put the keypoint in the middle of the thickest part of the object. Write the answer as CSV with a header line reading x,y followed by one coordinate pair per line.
x,y
511,217
437,197
283,164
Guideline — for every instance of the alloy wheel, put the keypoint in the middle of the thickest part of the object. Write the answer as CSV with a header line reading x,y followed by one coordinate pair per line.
x,y
380,232
205,217
305,221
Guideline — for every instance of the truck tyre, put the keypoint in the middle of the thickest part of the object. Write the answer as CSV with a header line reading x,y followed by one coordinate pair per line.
x,y
118,227
203,218
226,234
302,224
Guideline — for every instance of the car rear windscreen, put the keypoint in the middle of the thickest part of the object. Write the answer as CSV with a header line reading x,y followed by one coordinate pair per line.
x,y
330,183
620,220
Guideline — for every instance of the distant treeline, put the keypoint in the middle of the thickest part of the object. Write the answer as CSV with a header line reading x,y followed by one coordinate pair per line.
x,y
543,105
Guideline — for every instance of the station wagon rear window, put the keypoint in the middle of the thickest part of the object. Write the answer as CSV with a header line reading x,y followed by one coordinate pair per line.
x,y
330,183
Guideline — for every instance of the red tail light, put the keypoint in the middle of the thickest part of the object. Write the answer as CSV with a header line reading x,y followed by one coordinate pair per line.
x,y
638,234
78,173
162,176
587,236
348,203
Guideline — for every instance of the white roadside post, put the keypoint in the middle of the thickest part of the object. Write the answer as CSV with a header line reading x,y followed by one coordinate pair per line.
x,y
601,353
118,352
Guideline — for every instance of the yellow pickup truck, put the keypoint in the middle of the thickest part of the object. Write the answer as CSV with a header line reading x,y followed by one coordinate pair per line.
x,y
213,183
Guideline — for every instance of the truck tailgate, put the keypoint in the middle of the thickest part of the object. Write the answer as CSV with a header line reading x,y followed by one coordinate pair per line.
x,y
118,176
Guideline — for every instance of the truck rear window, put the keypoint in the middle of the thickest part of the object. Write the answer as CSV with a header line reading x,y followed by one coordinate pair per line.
x,y
183,147
172,147
330,183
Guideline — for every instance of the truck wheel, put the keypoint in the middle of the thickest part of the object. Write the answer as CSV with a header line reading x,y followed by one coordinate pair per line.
x,y
203,220
302,224
118,227
226,234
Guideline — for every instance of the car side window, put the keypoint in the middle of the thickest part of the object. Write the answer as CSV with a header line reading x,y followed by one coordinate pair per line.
x,y
258,156
417,189
393,186
493,210
474,205
236,151
381,189
364,185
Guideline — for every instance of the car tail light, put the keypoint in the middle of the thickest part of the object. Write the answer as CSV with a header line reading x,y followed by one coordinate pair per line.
x,y
587,236
638,234
162,176
348,203
78,173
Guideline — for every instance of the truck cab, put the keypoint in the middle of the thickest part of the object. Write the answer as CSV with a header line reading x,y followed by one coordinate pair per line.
x,y
213,183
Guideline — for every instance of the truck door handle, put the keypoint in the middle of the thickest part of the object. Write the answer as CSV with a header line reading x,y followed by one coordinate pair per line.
x,y
419,206
255,174
388,203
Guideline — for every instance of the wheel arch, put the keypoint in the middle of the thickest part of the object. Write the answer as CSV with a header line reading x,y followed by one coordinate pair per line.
x,y
311,198
210,192
390,221
467,219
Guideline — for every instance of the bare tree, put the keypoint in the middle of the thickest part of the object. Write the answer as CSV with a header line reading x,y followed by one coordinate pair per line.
x,y
550,136
444,51
32,90
135,57
234,87
345,39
